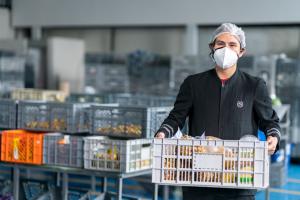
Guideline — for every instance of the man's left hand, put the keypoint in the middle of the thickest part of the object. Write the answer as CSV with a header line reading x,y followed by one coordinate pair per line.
x,y
272,143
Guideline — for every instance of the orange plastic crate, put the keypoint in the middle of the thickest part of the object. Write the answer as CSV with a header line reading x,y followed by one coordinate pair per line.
x,y
20,146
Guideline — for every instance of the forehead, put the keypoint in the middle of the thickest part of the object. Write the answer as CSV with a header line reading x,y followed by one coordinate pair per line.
x,y
227,37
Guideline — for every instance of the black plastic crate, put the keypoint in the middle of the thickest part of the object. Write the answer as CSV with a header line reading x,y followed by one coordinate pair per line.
x,y
63,150
53,117
141,100
8,114
127,121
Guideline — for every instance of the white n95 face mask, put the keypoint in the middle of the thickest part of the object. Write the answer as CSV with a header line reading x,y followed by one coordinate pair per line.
x,y
225,57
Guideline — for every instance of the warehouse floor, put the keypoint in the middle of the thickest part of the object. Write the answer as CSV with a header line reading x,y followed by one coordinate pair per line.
x,y
290,191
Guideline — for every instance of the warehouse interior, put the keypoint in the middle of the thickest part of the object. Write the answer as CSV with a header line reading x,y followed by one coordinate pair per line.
x,y
85,85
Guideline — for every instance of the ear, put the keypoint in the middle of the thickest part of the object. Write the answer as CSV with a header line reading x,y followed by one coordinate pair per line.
x,y
211,46
242,52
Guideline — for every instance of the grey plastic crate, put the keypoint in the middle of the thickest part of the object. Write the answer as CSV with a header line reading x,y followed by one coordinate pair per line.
x,y
117,155
142,100
126,121
34,116
53,117
8,114
107,77
183,66
63,150
88,98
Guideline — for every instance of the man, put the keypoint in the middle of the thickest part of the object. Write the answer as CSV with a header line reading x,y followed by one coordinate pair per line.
x,y
223,102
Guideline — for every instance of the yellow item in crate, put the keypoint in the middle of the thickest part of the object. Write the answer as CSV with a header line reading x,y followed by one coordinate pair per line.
x,y
16,142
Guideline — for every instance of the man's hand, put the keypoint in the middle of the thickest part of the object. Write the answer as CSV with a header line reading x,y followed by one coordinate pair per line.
x,y
160,135
272,143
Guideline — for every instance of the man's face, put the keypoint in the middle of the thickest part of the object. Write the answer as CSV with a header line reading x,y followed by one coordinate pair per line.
x,y
230,41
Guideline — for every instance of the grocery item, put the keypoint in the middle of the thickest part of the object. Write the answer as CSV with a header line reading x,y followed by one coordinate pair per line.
x,y
130,129
37,125
58,124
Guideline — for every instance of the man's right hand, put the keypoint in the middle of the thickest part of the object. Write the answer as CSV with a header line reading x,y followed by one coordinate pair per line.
x,y
160,135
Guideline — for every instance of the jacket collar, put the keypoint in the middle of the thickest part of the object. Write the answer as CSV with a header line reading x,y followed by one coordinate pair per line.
x,y
231,80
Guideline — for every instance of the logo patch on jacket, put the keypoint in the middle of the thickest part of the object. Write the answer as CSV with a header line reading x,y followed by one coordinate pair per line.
x,y
240,104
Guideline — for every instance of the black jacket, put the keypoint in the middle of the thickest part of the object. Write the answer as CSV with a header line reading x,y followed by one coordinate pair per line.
x,y
238,108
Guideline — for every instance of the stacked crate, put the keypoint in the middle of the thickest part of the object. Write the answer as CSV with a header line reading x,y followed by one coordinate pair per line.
x,y
20,146
117,155
142,100
63,150
183,66
12,69
127,121
149,73
53,117
88,98
106,73
8,114
40,95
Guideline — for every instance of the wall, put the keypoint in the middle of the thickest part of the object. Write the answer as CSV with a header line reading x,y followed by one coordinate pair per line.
x,y
47,13
96,39
6,31
261,40
66,63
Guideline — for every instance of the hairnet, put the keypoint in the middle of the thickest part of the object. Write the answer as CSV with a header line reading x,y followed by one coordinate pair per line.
x,y
233,30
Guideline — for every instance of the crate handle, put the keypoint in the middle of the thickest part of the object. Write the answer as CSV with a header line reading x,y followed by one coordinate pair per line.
x,y
146,145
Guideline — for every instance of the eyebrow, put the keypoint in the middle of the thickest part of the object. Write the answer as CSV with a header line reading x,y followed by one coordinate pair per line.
x,y
225,42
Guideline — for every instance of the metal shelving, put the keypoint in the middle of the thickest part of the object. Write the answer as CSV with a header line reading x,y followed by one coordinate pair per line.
x,y
68,170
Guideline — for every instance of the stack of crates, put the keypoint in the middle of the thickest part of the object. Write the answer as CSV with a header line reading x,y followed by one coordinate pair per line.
x,y
20,146
117,155
88,98
183,66
106,73
53,117
127,121
8,114
12,72
40,95
141,100
211,163
63,150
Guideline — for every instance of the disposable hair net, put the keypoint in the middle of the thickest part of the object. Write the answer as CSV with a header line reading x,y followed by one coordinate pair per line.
x,y
233,30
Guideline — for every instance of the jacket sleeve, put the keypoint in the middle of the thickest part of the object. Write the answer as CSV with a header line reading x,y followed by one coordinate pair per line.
x,y
268,120
178,114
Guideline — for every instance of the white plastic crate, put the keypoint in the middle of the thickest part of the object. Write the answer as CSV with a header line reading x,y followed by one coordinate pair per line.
x,y
117,155
40,95
208,163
